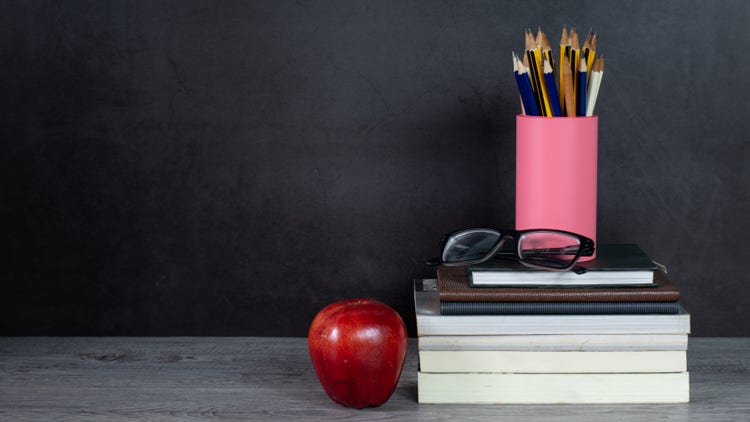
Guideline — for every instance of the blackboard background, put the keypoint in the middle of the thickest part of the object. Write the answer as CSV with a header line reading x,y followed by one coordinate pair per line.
x,y
229,168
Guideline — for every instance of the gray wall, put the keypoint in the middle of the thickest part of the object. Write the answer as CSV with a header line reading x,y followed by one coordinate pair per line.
x,y
229,168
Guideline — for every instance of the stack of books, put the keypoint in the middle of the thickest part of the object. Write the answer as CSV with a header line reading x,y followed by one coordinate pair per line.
x,y
616,334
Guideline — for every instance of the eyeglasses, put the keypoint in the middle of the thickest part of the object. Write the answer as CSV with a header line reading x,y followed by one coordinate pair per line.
x,y
544,249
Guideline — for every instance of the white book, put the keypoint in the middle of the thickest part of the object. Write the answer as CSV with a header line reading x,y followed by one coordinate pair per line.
x,y
555,342
430,322
443,361
503,388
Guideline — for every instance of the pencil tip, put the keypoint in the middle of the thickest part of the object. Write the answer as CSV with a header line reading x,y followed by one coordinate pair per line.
x,y
564,37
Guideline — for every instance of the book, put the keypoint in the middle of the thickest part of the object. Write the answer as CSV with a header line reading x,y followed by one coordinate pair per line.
x,y
453,286
506,388
556,342
449,361
557,308
431,322
614,265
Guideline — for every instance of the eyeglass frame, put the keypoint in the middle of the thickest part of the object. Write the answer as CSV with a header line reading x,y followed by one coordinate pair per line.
x,y
587,248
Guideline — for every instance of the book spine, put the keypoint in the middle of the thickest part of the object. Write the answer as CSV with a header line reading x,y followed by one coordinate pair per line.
x,y
556,308
450,361
555,342
497,388
433,324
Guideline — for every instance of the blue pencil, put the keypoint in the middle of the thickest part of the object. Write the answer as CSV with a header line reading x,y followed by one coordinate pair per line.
x,y
524,87
519,83
582,91
549,80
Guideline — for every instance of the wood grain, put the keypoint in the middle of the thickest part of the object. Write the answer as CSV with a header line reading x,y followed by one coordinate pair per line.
x,y
258,378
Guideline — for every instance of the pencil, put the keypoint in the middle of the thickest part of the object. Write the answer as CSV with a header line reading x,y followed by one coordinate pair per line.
x,y
547,52
582,79
515,75
543,45
549,79
564,50
575,58
524,87
589,50
570,103
596,80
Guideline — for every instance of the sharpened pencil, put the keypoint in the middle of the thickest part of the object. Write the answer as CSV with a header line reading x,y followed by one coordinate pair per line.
x,y
564,51
589,50
575,60
582,80
570,102
596,80
547,52
549,79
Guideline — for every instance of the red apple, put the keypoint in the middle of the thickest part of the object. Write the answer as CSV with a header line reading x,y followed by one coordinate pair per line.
x,y
358,348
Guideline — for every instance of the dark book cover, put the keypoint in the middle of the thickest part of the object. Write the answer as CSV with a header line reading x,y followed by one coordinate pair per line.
x,y
614,264
609,257
453,286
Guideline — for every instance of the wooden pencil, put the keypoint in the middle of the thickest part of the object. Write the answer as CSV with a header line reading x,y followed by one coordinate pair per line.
x,y
596,80
570,103
582,81
564,50
547,51
589,51
575,57
549,79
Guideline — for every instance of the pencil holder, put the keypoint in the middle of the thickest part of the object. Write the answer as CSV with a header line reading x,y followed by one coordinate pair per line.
x,y
556,174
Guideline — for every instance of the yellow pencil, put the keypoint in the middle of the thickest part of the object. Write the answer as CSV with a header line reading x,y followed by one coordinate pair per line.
x,y
543,43
575,59
547,51
564,51
589,50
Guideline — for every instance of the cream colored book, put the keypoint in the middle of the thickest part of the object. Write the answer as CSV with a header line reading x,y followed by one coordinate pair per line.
x,y
499,388
552,362
555,342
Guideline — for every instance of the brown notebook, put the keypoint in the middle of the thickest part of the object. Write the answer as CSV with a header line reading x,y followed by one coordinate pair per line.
x,y
453,286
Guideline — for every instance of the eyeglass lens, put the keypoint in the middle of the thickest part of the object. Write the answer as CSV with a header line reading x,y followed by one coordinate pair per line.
x,y
548,249
470,245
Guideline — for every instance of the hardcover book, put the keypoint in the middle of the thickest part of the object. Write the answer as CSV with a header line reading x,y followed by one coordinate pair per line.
x,y
453,286
614,265
557,308
431,322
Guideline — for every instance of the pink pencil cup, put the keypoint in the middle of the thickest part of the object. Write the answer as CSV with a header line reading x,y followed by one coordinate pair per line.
x,y
556,172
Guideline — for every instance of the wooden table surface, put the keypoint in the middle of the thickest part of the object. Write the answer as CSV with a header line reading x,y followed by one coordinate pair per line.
x,y
255,378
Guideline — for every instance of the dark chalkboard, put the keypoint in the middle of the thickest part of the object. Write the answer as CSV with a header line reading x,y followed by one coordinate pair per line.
x,y
229,168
